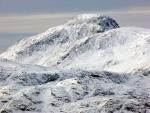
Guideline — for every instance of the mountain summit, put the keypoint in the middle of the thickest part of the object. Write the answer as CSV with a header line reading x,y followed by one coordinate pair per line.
x,y
88,65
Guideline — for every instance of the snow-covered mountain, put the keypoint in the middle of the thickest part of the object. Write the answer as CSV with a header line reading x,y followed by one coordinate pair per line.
x,y
53,45
88,65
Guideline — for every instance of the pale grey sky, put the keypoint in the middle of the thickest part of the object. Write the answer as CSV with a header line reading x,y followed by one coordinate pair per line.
x,y
38,15
49,6
41,22
21,18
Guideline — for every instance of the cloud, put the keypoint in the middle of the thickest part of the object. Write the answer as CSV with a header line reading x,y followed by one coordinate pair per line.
x,y
31,23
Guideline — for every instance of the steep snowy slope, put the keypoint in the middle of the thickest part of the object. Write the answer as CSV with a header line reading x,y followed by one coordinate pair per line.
x,y
118,50
83,66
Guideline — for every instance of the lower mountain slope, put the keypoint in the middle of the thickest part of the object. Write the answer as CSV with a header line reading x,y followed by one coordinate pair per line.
x,y
40,90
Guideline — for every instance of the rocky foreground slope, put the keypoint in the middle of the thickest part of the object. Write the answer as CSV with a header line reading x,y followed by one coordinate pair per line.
x,y
88,65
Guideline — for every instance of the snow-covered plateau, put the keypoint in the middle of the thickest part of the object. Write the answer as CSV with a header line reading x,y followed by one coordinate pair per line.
x,y
88,65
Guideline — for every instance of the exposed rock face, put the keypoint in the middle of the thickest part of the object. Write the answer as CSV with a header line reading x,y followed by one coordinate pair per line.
x,y
84,66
